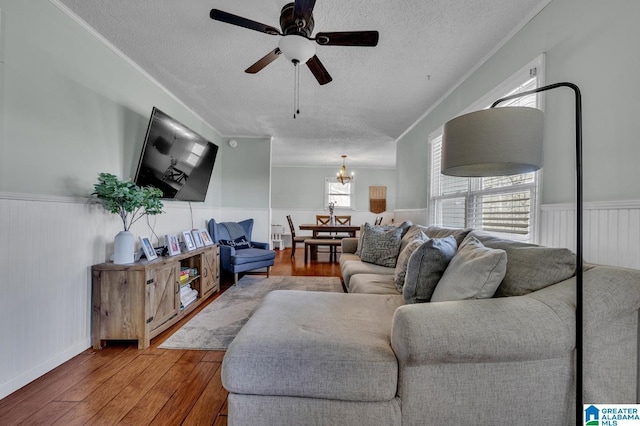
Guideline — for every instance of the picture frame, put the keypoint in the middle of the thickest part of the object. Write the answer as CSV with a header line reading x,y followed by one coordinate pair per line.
x,y
173,246
206,238
197,238
187,238
147,248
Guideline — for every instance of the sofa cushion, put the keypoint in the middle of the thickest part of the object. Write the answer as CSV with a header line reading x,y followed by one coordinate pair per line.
x,y
380,246
426,266
475,272
403,258
373,284
411,234
291,347
530,267
353,267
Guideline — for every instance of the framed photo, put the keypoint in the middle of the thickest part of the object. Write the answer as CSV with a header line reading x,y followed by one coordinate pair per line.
x,y
189,245
197,238
148,249
206,238
173,246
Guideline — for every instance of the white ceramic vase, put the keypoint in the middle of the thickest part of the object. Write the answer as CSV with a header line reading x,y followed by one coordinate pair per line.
x,y
123,248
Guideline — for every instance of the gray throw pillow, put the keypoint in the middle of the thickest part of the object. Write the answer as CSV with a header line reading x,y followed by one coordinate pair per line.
x,y
380,246
530,267
403,258
426,266
475,272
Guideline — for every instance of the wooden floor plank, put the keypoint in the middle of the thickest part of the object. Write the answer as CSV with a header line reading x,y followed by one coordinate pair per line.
x,y
128,397
49,414
106,391
210,402
150,405
178,407
122,385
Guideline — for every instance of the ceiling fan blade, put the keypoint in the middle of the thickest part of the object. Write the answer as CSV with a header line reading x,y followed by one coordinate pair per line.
x,y
348,38
303,9
319,71
266,60
229,18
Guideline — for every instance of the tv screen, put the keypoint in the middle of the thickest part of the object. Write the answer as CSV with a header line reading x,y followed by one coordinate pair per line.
x,y
175,159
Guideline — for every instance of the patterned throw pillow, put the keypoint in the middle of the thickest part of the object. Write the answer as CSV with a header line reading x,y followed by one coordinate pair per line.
x,y
426,266
380,246
238,243
403,258
404,226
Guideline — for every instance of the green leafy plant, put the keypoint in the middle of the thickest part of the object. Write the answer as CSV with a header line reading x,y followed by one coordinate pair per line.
x,y
127,199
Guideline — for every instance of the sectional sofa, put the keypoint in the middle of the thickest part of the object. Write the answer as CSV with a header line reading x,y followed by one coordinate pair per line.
x,y
368,357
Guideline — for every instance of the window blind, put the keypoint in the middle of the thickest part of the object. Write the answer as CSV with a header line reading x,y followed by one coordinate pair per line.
x,y
503,204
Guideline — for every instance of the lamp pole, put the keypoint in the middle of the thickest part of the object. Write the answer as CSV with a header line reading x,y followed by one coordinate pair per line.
x,y
579,229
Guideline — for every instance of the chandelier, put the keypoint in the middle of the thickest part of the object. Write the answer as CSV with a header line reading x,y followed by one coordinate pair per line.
x,y
343,177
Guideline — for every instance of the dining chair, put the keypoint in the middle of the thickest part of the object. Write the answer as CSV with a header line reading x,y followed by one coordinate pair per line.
x,y
322,219
378,221
343,220
294,239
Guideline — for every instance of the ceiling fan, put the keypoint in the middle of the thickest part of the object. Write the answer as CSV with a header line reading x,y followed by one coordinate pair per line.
x,y
296,23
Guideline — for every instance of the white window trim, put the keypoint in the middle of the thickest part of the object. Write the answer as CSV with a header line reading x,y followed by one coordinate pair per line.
x,y
332,179
539,65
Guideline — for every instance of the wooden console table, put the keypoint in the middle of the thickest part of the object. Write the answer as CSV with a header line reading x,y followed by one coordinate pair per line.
x,y
138,301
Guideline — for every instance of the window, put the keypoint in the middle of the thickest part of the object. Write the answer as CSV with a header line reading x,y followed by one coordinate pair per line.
x,y
338,193
507,205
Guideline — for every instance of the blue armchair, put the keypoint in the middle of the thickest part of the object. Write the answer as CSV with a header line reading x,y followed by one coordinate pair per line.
x,y
244,259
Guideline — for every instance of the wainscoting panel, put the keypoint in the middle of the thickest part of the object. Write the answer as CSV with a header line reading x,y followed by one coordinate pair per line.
x,y
47,247
611,231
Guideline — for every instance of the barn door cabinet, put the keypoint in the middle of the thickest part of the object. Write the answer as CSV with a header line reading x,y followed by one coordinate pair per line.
x,y
140,300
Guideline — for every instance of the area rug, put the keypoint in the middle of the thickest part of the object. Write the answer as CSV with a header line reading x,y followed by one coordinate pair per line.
x,y
217,324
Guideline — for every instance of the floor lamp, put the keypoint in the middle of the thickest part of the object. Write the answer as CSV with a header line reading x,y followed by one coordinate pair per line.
x,y
507,141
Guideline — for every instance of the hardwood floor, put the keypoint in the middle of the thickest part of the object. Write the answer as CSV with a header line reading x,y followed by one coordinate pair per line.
x,y
121,385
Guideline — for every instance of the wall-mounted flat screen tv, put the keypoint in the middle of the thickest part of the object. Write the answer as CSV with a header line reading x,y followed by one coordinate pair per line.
x,y
175,159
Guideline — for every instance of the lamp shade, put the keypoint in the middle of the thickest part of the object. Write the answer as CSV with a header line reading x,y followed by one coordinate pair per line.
x,y
493,142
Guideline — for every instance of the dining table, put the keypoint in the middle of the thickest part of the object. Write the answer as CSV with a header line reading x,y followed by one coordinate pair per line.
x,y
317,229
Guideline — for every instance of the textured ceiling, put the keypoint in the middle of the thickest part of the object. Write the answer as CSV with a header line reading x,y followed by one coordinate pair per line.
x,y
377,93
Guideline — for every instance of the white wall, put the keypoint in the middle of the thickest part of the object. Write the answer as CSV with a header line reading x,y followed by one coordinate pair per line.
x,y
72,107
587,42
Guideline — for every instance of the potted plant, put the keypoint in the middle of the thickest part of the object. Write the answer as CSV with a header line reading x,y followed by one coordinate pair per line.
x,y
131,203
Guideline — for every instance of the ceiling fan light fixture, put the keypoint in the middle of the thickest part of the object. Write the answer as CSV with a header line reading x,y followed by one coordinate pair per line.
x,y
296,48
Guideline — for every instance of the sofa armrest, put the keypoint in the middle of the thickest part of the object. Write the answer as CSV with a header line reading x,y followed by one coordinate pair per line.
x,y
480,331
256,244
349,245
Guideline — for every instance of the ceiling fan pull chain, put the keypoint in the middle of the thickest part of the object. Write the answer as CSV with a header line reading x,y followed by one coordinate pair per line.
x,y
296,89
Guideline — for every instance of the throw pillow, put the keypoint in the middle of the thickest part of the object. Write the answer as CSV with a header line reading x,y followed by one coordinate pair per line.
x,y
404,226
380,246
403,259
238,243
530,267
426,266
475,272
